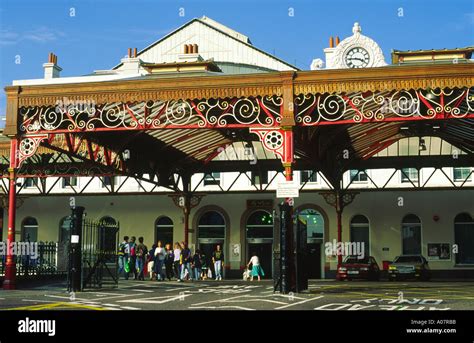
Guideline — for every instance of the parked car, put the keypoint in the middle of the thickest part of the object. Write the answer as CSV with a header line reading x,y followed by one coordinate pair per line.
x,y
355,268
408,267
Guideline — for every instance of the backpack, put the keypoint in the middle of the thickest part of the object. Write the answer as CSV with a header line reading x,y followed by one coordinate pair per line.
x,y
121,249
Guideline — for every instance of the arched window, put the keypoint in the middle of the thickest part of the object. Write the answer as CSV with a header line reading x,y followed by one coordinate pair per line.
x,y
64,229
211,225
260,225
464,238
314,223
360,232
411,235
107,220
164,230
29,229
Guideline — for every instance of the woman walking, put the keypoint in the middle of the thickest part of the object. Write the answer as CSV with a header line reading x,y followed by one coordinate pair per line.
x,y
176,261
169,259
159,261
256,268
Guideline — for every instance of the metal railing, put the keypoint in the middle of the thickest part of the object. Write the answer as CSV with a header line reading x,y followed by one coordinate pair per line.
x,y
44,263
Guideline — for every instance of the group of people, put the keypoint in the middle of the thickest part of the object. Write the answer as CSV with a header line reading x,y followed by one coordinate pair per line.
x,y
178,262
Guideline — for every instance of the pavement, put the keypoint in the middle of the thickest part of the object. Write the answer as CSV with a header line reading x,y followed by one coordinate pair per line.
x,y
249,296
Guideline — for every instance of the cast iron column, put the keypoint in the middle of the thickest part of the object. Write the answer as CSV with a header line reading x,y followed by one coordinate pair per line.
x,y
10,266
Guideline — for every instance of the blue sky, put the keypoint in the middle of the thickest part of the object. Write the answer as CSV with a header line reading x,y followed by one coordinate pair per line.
x,y
102,30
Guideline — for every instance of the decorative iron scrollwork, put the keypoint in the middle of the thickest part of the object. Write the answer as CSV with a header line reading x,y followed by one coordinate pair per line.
x,y
216,113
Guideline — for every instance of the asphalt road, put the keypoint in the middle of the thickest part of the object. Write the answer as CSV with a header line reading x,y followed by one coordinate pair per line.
x,y
241,295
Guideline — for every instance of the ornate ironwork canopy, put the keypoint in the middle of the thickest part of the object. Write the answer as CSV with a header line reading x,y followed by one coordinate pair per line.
x,y
165,125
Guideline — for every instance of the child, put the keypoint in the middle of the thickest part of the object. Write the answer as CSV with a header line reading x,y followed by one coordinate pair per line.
x,y
256,268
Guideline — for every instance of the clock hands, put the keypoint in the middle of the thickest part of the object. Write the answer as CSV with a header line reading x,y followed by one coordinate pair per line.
x,y
358,59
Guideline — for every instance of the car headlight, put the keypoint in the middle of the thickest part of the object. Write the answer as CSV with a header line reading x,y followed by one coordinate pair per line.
x,y
392,268
342,269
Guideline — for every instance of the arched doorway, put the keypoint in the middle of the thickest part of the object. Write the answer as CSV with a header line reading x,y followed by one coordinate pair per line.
x,y
411,235
360,232
315,226
211,232
259,237
29,230
464,238
164,230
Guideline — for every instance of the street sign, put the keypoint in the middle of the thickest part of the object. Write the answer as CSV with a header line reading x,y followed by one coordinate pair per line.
x,y
288,189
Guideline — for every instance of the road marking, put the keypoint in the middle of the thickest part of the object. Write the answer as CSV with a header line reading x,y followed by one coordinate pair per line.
x,y
298,303
156,300
129,308
249,298
56,305
219,307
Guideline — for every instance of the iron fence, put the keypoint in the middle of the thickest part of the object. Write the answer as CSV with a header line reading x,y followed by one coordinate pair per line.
x,y
44,261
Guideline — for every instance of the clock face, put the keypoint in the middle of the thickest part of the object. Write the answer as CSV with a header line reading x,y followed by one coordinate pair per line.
x,y
357,58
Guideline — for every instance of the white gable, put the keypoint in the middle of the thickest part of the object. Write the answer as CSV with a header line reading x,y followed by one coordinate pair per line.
x,y
215,42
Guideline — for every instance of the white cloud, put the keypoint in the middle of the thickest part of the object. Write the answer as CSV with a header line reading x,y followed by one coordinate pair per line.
x,y
39,35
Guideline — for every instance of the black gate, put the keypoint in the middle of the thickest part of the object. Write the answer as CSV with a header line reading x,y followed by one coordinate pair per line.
x,y
301,256
99,254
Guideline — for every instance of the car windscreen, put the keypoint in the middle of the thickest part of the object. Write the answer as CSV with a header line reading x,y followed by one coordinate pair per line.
x,y
408,259
355,260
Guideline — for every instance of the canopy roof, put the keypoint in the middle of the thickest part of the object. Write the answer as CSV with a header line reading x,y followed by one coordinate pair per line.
x,y
182,124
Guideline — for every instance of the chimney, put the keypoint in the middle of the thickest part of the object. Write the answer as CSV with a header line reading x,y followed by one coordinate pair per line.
x,y
51,69
337,40
330,51
131,63
190,53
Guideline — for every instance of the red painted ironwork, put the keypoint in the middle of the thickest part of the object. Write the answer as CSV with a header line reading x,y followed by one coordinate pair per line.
x,y
10,267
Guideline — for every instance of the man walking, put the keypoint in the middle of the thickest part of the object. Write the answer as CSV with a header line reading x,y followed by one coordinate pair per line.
x,y
218,260
123,255
186,262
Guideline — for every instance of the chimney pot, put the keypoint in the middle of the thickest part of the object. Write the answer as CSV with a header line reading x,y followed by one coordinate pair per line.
x,y
337,40
331,42
51,69
135,52
195,48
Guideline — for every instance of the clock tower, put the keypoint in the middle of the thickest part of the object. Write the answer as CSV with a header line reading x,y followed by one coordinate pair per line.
x,y
356,51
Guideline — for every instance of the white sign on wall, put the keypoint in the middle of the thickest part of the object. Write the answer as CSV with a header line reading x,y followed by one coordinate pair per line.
x,y
235,252
288,189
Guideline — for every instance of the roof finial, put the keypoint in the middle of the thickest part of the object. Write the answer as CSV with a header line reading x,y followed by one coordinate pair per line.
x,y
356,28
